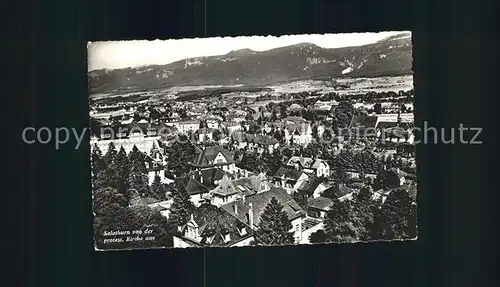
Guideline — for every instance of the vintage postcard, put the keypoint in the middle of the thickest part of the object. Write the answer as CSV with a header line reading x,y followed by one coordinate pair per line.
x,y
252,141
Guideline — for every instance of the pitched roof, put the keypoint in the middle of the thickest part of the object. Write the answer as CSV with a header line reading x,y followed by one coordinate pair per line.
x,y
209,153
125,130
195,187
215,222
206,177
288,173
321,203
309,186
259,202
306,162
244,186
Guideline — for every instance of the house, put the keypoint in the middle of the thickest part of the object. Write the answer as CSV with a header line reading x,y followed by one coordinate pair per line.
x,y
185,126
231,126
198,183
257,143
213,156
261,143
317,166
238,140
125,136
212,122
229,190
312,187
290,178
298,133
249,209
212,226
355,174
205,135
340,192
326,105
318,207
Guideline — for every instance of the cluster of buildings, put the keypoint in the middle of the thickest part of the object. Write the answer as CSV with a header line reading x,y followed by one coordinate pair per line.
x,y
230,200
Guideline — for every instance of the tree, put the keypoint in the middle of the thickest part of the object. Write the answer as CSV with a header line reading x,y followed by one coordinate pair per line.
x,y
253,128
386,179
318,236
106,200
315,132
138,180
274,116
332,192
362,216
274,226
108,177
343,114
108,204
180,153
397,218
111,153
237,155
338,225
97,162
301,198
181,208
157,190
123,171
278,135
135,155
249,161
216,135
249,117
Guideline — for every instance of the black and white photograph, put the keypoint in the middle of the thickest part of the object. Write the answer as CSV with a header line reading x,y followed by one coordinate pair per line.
x,y
252,141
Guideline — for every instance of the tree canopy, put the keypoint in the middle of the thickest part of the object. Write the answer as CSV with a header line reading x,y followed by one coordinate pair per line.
x,y
274,226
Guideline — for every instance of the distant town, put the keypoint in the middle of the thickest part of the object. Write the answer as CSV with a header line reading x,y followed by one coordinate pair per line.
x,y
226,167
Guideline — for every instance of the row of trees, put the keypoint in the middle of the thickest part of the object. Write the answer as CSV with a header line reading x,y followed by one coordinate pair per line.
x,y
365,219
119,181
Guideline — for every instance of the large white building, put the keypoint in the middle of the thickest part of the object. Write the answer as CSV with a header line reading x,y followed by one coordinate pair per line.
x,y
143,136
143,144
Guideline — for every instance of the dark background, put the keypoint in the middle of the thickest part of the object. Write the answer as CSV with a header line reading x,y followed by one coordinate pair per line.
x,y
455,56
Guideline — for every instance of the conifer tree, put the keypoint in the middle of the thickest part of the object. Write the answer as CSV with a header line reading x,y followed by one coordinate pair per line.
x,y
181,208
274,226
134,155
138,179
338,227
157,190
397,217
123,166
180,153
111,153
108,177
97,162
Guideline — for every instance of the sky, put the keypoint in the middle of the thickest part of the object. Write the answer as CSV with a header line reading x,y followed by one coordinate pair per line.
x,y
124,54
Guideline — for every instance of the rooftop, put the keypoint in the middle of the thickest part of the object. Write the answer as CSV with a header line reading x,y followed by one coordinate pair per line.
x,y
214,223
259,202
321,203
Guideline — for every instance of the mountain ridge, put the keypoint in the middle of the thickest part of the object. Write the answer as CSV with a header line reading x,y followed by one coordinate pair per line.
x,y
390,56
